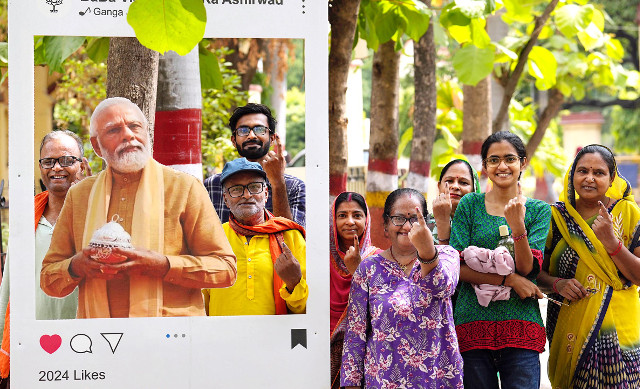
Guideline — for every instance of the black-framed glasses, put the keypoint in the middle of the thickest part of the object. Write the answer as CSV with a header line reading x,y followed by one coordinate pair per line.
x,y
64,161
245,130
399,221
509,160
252,187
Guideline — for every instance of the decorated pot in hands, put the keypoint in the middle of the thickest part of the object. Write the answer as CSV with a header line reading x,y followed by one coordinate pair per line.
x,y
105,239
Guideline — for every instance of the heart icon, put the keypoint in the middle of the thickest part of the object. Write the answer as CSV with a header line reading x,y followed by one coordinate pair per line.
x,y
50,343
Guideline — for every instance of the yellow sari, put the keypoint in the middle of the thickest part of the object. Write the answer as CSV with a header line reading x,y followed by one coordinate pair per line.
x,y
594,342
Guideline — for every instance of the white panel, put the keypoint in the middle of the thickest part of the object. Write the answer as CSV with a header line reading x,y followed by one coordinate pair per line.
x,y
196,352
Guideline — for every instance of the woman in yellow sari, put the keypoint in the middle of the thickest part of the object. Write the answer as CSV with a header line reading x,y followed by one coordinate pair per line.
x,y
592,267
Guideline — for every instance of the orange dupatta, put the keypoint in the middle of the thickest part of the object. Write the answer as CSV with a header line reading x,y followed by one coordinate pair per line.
x,y
40,203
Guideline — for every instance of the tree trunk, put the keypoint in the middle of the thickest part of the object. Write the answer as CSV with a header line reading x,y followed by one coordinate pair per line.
x,y
132,72
476,124
424,117
179,113
556,99
277,67
382,176
343,15
245,55
510,82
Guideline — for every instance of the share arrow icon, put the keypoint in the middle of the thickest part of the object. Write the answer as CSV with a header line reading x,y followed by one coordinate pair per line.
x,y
113,338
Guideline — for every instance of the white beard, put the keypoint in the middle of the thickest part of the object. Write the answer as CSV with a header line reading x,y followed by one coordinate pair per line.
x,y
127,162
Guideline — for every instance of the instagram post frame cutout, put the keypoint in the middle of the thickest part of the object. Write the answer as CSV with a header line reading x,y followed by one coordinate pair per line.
x,y
162,352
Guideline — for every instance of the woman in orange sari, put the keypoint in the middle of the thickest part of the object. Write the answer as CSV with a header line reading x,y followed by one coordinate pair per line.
x,y
350,244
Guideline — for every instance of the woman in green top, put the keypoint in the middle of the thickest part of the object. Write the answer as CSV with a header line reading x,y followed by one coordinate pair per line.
x,y
507,336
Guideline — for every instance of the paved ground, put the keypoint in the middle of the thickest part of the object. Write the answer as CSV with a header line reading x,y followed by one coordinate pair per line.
x,y
544,357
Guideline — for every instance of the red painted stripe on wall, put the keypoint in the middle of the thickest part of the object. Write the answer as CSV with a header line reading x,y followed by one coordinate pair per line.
x,y
388,166
177,137
420,167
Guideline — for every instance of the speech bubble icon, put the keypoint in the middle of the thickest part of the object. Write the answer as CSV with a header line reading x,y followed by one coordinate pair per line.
x,y
81,343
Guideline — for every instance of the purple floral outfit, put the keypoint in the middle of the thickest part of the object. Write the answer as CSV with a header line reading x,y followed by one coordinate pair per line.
x,y
400,331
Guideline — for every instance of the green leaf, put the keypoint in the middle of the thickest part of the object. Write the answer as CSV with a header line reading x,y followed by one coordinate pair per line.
x,y
543,66
614,49
472,63
451,16
479,35
386,25
518,11
58,48
164,25
4,53
592,36
405,139
98,49
210,75
38,50
462,34
572,18
505,54
417,23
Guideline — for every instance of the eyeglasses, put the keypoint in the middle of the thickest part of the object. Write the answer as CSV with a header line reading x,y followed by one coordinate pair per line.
x,y
245,130
399,221
238,190
509,160
64,161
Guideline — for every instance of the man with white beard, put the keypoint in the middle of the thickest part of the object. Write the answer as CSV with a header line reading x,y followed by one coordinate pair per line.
x,y
179,244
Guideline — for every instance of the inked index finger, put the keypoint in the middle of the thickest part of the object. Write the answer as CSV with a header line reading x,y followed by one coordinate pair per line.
x,y
278,146
421,218
603,210
356,244
285,248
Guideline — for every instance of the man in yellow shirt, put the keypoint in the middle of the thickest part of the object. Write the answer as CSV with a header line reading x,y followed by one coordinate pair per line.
x,y
270,251
179,245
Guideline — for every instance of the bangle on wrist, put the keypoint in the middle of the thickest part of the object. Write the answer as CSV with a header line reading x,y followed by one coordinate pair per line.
x,y
443,240
429,261
503,280
519,237
554,287
617,250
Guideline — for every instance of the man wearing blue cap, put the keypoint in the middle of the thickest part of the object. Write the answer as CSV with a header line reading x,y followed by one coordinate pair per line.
x,y
270,250
253,132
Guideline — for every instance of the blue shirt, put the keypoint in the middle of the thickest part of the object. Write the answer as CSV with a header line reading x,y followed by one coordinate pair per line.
x,y
295,193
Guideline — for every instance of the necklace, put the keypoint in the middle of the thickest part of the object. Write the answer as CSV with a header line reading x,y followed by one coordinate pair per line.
x,y
402,266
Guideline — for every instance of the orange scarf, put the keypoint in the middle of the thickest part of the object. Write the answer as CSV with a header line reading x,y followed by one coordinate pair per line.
x,y
274,226
40,203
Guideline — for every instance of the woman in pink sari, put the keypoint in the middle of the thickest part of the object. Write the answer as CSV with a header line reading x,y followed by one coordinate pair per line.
x,y
350,244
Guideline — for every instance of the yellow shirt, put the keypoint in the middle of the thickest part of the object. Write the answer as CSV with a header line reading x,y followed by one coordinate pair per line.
x,y
252,294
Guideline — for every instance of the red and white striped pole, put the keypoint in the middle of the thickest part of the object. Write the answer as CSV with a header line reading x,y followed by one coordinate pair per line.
x,y
178,124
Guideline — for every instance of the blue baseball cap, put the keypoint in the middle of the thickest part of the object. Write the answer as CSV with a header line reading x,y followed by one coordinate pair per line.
x,y
241,165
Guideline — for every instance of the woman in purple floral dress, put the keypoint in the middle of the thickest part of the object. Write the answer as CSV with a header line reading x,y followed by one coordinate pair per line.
x,y
400,331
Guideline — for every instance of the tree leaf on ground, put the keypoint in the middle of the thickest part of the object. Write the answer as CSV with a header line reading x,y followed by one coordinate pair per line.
x,y
164,25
